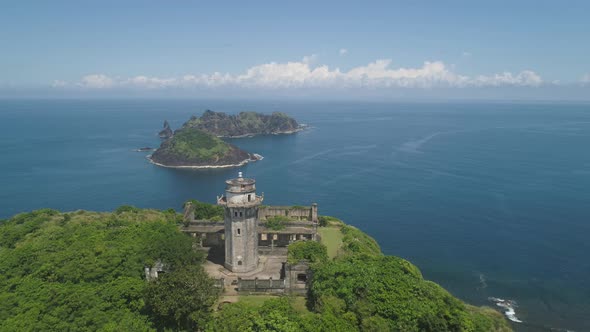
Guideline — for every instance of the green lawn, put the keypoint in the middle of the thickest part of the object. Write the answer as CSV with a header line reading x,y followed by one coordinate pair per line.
x,y
255,300
298,303
331,238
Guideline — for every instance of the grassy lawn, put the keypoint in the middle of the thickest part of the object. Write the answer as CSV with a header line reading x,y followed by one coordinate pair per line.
x,y
298,304
331,238
255,300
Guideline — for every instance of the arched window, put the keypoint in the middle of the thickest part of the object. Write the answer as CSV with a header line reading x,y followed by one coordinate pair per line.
x,y
239,232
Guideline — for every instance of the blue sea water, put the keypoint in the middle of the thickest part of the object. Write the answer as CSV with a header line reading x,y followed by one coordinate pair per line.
x,y
488,199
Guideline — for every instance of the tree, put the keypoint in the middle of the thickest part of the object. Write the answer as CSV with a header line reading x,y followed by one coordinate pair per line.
x,y
311,251
207,211
182,298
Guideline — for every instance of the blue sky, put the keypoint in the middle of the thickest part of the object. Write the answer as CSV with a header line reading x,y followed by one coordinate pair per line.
x,y
270,47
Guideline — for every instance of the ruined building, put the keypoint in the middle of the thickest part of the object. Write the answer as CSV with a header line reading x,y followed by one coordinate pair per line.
x,y
249,249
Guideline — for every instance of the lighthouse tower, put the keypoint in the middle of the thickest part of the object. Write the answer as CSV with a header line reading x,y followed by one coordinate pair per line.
x,y
241,222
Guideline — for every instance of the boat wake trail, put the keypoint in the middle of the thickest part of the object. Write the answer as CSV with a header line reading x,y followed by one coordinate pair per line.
x,y
414,146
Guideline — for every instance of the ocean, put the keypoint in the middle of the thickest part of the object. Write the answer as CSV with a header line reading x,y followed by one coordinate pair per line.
x,y
488,199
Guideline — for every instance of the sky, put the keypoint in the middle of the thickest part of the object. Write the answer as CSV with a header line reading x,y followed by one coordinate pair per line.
x,y
336,49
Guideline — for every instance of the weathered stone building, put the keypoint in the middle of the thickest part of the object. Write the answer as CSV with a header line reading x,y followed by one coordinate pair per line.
x,y
253,247
241,204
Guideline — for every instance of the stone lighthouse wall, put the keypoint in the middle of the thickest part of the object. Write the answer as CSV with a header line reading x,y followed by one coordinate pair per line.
x,y
241,238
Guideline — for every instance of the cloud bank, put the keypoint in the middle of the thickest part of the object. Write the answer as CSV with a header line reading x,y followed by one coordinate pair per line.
x,y
303,74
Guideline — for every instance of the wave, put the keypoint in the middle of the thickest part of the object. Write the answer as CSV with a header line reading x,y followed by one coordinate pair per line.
x,y
509,306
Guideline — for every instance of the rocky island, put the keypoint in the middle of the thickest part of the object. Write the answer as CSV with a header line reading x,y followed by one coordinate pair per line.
x,y
194,148
244,124
198,143
166,132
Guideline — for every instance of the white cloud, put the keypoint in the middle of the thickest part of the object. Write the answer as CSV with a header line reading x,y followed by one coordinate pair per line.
x,y
59,84
524,78
97,81
304,74
585,79
343,51
466,54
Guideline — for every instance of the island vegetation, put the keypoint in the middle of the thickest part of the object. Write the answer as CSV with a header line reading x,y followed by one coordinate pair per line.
x,y
191,147
84,271
197,144
244,124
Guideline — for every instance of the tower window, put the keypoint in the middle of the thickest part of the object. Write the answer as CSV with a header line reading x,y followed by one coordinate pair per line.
x,y
240,213
249,197
239,231
239,262
236,214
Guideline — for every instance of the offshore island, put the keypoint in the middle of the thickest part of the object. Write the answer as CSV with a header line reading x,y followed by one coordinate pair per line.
x,y
236,265
199,142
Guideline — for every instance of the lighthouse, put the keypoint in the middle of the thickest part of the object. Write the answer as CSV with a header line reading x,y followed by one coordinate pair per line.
x,y
241,204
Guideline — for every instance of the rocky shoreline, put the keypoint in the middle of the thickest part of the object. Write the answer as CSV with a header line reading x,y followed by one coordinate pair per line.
x,y
286,132
253,158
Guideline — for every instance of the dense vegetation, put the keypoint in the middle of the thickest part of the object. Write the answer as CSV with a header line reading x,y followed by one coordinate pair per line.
x,y
276,223
311,251
194,147
84,271
242,124
206,211
360,290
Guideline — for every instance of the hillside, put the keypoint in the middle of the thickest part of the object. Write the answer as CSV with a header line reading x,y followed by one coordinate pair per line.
x,y
84,271
243,124
357,288
192,147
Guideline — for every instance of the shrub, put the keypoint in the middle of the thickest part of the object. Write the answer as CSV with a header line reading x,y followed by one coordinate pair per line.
x,y
326,220
277,223
126,208
311,251
206,211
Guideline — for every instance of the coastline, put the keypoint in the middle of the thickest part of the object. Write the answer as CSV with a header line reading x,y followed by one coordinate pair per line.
x,y
288,132
242,163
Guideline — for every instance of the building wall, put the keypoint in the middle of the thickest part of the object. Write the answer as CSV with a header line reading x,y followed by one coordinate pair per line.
x,y
297,277
241,242
295,280
240,198
308,213
261,285
280,239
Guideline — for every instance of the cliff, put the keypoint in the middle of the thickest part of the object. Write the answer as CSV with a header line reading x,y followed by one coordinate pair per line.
x,y
194,148
244,124
166,133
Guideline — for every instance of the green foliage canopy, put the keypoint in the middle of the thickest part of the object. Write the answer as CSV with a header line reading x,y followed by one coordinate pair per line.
x,y
277,223
206,211
84,271
312,251
194,144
